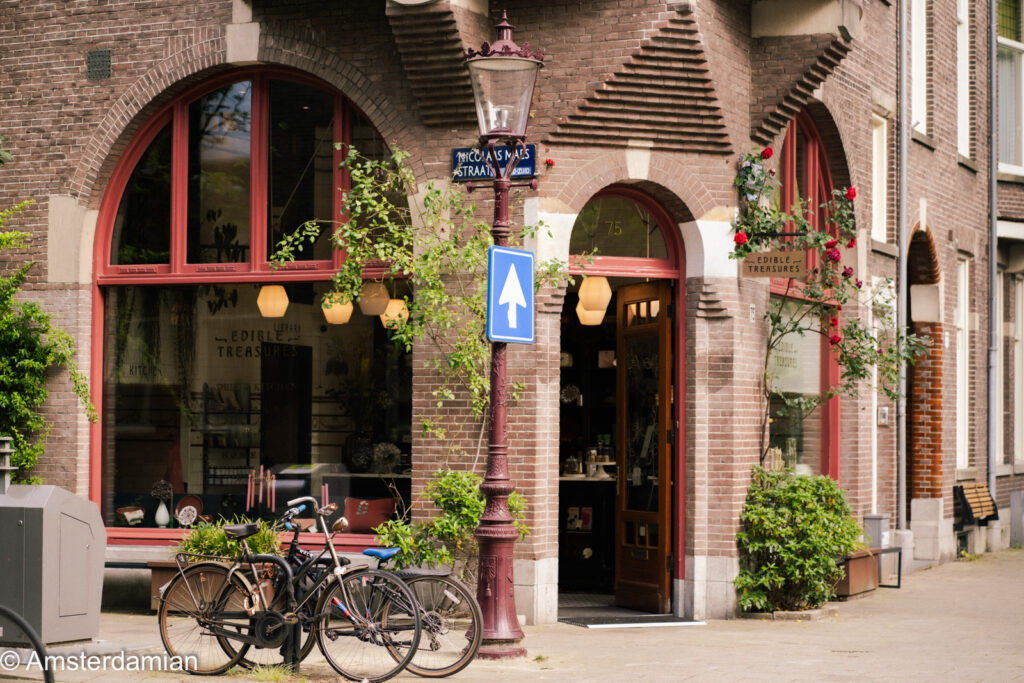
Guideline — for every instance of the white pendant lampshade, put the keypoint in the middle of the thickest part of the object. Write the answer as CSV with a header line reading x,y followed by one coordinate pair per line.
x,y
395,314
373,298
335,311
272,301
595,293
589,317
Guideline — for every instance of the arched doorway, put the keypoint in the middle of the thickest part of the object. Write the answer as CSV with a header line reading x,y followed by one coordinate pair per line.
x,y
622,405
199,386
924,380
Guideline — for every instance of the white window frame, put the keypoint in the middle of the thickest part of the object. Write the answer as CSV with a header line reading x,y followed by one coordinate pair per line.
x,y
1000,407
1011,146
963,353
963,77
919,65
1017,342
879,178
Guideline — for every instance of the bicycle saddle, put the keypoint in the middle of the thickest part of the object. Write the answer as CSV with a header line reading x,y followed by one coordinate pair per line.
x,y
241,531
381,553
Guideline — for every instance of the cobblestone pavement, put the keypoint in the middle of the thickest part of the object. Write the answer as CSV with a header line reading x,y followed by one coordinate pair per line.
x,y
960,621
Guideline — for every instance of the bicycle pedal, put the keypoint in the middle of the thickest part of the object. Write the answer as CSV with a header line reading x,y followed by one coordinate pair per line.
x,y
290,618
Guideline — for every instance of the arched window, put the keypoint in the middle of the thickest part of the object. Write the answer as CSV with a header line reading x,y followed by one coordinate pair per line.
x,y
803,365
199,389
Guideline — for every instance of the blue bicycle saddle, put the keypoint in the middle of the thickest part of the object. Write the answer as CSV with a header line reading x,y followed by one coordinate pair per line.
x,y
381,553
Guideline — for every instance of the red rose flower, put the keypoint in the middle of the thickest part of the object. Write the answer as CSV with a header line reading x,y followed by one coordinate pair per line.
x,y
847,272
851,244
859,283
834,339
740,238
831,244
766,153
550,162
834,322
833,255
851,193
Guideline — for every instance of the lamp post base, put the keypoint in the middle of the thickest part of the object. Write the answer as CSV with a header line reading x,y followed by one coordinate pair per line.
x,y
501,649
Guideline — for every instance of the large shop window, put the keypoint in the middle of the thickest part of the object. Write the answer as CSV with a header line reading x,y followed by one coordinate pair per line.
x,y
198,388
803,366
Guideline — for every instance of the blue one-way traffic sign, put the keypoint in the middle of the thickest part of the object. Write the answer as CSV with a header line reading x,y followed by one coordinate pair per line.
x,y
510,295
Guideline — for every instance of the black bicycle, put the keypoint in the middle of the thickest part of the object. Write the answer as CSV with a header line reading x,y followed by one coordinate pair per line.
x,y
219,612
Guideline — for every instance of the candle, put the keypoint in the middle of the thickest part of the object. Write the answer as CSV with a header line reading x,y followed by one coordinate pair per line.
x,y
261,485
273,493
248,492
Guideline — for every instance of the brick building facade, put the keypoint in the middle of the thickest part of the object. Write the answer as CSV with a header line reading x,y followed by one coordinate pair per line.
x,y
641,104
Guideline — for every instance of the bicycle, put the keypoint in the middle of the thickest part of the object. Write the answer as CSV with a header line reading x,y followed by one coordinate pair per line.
x,y
211,614
452,624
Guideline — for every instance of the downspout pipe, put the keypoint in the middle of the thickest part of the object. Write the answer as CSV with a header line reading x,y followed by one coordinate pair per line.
x,y
993,251
902,291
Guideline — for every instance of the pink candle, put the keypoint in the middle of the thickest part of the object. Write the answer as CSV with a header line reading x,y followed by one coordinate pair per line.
x,y
261,485
273,493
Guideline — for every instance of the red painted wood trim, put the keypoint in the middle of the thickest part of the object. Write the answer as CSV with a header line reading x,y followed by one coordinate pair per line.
x,y
259,166
348,543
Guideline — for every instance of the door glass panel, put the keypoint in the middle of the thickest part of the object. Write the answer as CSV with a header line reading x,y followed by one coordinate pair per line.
x,y
219,162
641,457
301,175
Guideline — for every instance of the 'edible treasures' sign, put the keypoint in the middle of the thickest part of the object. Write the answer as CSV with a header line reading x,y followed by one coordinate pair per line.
x,y
776,264
468,164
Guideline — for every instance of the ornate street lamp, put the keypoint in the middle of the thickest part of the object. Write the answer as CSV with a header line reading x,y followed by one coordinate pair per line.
x,y
503,76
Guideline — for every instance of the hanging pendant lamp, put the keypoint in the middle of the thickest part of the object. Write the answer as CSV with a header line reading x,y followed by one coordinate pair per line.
x,y
336,312
272,301
395,314
373,298
589,317
595,293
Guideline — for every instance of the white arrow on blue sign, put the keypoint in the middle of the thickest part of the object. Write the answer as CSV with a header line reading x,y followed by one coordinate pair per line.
x,y
510,295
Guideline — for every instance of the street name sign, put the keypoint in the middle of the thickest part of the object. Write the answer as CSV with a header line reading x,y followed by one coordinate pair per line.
x,y
776,264
510,304
469,164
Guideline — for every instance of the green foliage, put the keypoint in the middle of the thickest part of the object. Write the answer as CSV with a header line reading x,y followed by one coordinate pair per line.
x,y
440,248
208,538
30,347
448,538
815,305
793,530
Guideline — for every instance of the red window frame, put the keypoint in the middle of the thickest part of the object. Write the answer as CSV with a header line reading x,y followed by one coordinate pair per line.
x,y
178,271
815,177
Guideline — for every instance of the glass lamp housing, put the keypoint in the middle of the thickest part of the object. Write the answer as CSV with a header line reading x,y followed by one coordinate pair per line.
x,y
502,90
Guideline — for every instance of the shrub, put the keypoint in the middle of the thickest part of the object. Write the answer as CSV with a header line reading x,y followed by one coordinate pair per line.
x,y
208,538
448,538
793,530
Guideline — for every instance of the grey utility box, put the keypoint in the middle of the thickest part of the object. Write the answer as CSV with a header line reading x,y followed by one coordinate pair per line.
x,y
52,544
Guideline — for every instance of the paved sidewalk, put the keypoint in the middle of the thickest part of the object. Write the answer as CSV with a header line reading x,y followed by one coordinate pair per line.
x,y
961,621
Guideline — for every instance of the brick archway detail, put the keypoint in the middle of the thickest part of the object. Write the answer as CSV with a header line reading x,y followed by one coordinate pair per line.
x,y
924,405
186,65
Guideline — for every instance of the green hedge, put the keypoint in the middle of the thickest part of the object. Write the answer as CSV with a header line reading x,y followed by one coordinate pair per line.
x,y
793,529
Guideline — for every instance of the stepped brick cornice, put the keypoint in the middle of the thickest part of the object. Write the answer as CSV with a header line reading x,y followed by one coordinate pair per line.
x,y
785,72
430,41
663,93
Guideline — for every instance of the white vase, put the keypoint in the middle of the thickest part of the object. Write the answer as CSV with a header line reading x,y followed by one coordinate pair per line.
x,y
162,517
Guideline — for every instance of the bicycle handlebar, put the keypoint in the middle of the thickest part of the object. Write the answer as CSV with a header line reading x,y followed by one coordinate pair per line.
x,y
320,511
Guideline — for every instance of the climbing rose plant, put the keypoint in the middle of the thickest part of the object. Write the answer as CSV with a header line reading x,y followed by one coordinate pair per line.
x,y
816,304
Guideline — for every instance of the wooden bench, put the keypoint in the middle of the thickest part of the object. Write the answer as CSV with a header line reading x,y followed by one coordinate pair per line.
x,y
973,504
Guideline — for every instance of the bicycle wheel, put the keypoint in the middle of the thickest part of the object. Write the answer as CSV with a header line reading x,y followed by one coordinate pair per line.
x,y
191,606
451,626
253,655
368,625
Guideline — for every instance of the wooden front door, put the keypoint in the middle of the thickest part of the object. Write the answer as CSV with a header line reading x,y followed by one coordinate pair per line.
x,y
643,449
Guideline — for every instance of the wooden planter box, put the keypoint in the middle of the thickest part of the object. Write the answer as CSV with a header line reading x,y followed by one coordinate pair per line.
x,y
861,574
